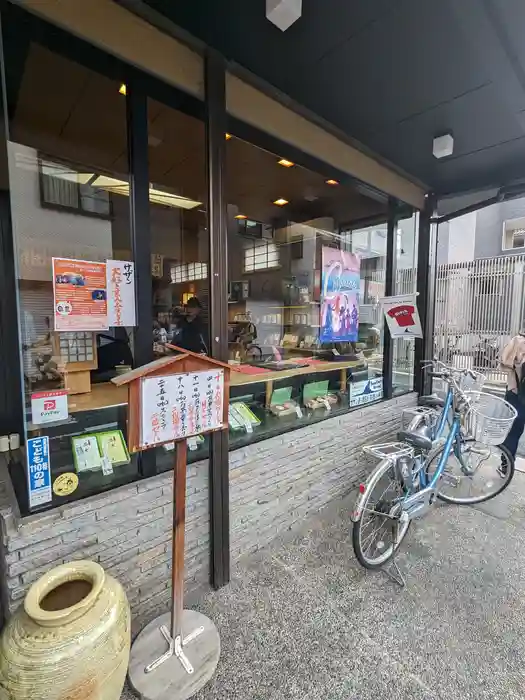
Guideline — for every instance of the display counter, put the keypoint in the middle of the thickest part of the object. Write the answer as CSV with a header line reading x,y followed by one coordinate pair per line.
x,y
265,403
265,400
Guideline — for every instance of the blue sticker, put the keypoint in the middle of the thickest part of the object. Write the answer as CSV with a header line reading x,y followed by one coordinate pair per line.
x,y
38,471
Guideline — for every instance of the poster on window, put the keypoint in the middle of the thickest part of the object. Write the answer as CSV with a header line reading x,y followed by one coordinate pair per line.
x,y
402,316
80,295
181,405
38,471
120,278
366,391
340,285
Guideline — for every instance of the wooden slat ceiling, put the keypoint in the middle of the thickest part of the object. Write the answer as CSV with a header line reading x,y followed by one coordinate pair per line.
x,y
70,112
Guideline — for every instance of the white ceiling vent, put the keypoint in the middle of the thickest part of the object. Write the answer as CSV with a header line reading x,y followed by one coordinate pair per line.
x,y
283,13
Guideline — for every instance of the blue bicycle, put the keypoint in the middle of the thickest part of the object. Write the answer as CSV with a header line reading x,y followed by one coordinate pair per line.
x,y
467,465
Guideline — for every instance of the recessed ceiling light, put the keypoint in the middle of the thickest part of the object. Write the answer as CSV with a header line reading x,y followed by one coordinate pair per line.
x,y
241,216
227,136
332,182
281,202
286,163
122,89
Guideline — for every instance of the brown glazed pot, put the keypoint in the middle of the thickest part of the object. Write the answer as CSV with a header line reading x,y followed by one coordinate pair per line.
x,y
71,639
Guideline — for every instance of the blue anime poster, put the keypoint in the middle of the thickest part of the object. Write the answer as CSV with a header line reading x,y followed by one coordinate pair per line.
x,y
340,283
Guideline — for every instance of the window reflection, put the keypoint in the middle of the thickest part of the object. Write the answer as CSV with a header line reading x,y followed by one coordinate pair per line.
x,y
179,242
69,191
304,322
405,283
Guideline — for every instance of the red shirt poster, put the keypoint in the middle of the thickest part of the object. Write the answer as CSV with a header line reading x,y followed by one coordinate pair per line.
x,y
80,295
402,316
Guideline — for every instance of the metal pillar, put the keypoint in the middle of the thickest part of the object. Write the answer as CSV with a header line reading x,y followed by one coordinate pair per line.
x,y
390,277
426,273
11,393
215,77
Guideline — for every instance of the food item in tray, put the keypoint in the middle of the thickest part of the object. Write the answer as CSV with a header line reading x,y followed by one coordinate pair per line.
x,y
288,408
326,401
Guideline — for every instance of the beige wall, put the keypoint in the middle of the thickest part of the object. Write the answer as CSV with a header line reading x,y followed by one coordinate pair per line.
x,y
111,27
114,29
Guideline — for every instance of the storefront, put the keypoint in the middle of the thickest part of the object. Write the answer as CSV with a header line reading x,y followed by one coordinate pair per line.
x,y
149,196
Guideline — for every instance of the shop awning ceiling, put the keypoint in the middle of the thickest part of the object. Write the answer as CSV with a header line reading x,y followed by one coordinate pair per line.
x,y
392,74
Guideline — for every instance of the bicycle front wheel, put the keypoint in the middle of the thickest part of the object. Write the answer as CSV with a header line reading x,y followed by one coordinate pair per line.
x,y
481,473
379,530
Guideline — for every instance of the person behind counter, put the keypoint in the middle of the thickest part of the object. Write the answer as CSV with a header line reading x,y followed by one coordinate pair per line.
x,y
192,331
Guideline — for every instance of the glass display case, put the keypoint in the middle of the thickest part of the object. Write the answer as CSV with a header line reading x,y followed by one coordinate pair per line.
x,y
265,403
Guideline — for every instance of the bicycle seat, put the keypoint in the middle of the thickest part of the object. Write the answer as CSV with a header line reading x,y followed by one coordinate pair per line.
x,y
431,401
415,439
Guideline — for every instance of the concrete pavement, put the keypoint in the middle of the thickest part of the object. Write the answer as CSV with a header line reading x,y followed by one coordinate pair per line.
x,y
301,620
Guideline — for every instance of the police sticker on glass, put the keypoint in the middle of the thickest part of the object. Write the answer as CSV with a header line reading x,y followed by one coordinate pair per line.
x,y
65,484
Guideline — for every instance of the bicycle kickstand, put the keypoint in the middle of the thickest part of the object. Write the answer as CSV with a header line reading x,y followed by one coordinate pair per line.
x,y
393,571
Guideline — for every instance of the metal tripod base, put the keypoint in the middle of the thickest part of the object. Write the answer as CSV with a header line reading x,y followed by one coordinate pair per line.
x,y
175,648
178,672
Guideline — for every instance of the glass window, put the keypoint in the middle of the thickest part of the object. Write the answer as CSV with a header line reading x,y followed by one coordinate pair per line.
x,y
405,283
179,242
69,188
370,244
304,324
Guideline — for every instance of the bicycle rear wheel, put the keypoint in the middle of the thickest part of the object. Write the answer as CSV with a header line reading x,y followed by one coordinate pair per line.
x,y
379,531
483,473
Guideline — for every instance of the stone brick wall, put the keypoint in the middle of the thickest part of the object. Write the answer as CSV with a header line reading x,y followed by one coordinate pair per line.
x,y
277,483
127,530
274,484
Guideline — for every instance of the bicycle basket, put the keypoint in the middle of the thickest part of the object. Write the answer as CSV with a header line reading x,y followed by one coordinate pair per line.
x,y
489,419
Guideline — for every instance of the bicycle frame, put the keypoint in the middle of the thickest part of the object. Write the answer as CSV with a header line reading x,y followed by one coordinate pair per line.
x,y
454,436
444,414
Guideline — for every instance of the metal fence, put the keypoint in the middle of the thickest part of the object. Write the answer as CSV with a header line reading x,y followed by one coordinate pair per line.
x,y
479,307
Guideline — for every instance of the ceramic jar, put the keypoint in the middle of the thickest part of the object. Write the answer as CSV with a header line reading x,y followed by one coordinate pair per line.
x,y
71,639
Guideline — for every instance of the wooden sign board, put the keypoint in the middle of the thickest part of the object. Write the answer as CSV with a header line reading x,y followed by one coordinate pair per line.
x,y
174,398
178,406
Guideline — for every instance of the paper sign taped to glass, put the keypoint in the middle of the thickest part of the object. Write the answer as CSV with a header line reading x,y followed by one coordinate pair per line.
x,y
402,316
120,280
177,406
80,295
366,391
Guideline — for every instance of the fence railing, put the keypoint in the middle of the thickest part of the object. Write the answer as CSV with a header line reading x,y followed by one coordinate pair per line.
x,y
479,307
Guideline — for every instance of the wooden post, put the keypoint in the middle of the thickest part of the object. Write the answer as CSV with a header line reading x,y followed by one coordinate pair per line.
x,y
155,405
179,521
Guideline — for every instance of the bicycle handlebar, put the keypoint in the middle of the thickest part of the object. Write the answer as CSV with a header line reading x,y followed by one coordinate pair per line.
x,y
451,375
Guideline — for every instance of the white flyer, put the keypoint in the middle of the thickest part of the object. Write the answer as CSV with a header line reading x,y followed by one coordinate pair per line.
x,y
121,293
402,316
181,405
